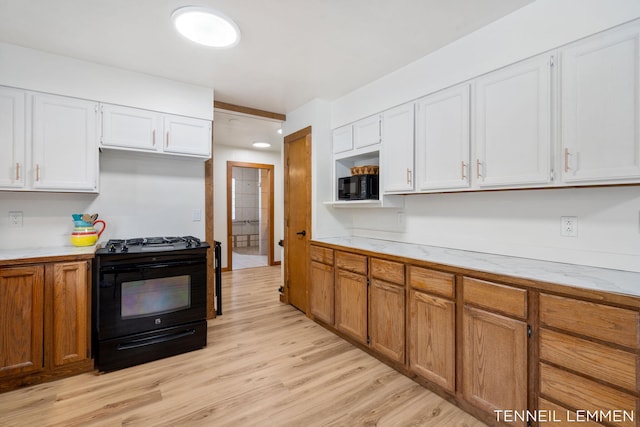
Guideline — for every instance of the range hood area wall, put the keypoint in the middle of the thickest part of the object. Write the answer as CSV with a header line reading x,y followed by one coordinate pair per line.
x,y
140,195
522,223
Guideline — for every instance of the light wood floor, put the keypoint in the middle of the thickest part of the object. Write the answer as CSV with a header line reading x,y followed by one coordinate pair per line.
x,y
266,364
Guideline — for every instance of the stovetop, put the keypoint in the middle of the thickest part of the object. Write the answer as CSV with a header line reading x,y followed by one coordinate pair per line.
x,y
150,244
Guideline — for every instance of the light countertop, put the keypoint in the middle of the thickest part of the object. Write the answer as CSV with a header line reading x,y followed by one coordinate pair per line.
x,y
30,254
579,276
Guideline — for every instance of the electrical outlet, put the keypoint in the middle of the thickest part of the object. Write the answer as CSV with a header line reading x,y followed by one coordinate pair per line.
x,y
15,219
196,215
569,226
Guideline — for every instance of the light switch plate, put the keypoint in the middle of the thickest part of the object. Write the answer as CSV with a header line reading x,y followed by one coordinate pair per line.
x,y
15,219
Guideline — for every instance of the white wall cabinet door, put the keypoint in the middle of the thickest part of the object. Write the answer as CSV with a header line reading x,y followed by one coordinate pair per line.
x,y
396,162
442,140
600,86
512,131
65,144
127,127
367,132
12,138
342,139
187,135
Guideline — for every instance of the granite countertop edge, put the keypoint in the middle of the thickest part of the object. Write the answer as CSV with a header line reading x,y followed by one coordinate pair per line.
x,y
578,276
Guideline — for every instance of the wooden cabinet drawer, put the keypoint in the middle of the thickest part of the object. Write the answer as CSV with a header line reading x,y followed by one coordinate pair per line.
x,y
389,271
550,414
320,254
611,324
431,281
595,360
493,296
585,395
352,262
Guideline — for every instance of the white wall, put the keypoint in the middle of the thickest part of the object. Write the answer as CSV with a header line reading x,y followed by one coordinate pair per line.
x,y
141,195
222,154
521,223
45,72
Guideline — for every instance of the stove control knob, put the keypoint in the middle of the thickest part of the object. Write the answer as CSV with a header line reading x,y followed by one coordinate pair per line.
x,y
125,248
112,248
188,244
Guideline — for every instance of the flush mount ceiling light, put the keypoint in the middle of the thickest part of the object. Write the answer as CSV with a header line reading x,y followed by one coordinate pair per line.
x,y
261,144
206,26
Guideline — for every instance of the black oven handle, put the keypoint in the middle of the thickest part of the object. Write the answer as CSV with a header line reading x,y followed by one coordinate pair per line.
x,y
149,266
155,340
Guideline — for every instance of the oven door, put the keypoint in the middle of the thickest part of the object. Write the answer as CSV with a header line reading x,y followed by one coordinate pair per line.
x,y
146,296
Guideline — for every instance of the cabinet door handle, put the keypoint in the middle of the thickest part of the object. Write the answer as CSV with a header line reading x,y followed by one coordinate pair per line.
x,y
153,137
37,172
167,139
17,171
478,164
566,160
463,165
408,176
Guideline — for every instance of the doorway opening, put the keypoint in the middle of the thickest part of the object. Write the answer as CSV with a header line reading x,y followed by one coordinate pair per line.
x,y
249,215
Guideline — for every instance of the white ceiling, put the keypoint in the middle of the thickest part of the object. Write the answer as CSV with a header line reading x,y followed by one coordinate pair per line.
x,y
291,51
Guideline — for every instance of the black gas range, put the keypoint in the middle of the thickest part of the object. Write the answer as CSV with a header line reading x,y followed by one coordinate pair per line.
x,y
149,299
151,244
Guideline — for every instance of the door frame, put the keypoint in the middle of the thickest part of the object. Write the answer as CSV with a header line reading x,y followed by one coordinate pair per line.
x,y
306,133
230,165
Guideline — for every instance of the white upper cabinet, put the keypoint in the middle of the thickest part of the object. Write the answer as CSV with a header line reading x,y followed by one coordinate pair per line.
x,y
396,157
342,139
136,129
600,108
367,132
186,135
12,138
512,125
442,140
65,144
127,127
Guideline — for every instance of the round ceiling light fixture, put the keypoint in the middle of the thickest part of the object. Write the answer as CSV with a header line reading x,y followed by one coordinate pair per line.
x,y
206,26
260,144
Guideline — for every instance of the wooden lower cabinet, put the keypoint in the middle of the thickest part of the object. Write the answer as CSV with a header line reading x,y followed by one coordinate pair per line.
x,y
431,338
21,320
71,339
321,292
387,319
351,304
590,360
506,353
494,363
45,322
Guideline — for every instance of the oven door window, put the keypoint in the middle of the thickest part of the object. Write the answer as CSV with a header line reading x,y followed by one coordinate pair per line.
x,y
155,296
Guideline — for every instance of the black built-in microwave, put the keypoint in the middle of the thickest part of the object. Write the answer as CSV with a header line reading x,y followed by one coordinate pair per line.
x,y
358,187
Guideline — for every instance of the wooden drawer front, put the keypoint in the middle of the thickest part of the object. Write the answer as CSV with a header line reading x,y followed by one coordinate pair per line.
x,y
320,254
432,281
595,360
612,324
585,395
389,271
550,414
352,262
497,297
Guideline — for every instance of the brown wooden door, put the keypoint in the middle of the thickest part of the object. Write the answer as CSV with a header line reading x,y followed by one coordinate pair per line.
x,y
70,313
351,304
21,319
297,217
321,298
432,338
387,319
494,371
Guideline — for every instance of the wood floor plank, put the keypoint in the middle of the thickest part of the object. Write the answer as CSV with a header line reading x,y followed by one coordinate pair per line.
x,y
265,364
